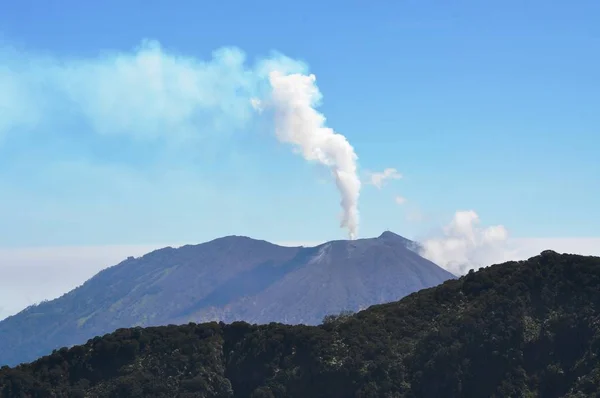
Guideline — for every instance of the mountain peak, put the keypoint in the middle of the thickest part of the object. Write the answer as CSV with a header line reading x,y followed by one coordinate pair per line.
x,y
388,235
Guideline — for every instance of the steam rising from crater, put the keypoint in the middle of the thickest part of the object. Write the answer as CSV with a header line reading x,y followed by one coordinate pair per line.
x,y
293,99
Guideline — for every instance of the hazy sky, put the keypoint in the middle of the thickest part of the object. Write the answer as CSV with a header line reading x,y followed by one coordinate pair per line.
x,y
130,123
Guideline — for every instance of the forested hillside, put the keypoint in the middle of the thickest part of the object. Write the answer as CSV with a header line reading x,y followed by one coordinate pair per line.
x,y
519,329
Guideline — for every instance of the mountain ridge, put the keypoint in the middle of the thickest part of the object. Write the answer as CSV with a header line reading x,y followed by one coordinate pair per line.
x,y
227,279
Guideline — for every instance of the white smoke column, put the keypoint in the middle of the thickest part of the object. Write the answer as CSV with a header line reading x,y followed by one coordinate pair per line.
x,y
463,245
297,122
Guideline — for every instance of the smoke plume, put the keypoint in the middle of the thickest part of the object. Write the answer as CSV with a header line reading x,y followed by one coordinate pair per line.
x,y
148,92
298,123
158,96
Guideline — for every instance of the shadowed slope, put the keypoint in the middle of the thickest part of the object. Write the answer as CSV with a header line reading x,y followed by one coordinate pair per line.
x,y
231,278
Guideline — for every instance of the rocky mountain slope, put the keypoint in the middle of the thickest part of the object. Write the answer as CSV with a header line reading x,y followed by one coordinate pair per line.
x,y
520,329
228,279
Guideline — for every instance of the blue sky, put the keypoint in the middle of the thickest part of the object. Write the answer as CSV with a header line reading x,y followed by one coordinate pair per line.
x,y
489,107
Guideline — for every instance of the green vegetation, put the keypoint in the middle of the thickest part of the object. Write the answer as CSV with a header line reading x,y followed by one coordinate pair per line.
x,y
520,329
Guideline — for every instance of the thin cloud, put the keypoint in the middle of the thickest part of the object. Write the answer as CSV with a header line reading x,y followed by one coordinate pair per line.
x,y
378,179
400,200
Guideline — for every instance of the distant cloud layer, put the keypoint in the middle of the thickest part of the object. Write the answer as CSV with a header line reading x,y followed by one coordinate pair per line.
x,y
30,275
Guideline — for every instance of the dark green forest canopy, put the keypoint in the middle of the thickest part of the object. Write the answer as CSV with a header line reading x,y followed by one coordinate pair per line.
x,y
520,329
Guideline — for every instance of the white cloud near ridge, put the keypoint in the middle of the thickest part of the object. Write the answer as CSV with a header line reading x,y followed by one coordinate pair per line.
x,y
463,245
